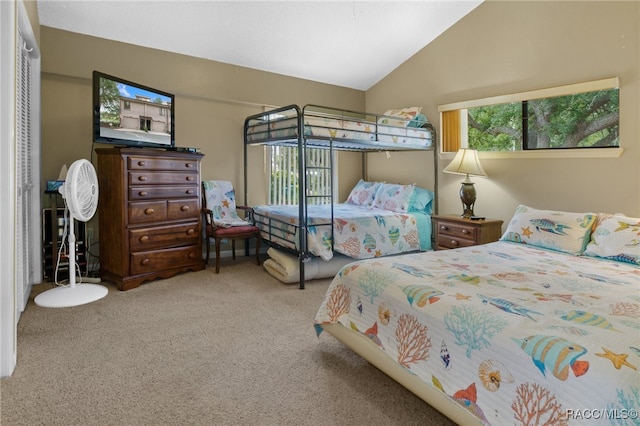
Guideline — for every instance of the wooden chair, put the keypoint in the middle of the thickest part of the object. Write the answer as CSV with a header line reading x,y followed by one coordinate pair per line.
x,y
222,220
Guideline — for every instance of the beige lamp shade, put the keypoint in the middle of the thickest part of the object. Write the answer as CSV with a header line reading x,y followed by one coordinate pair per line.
x,y
466,162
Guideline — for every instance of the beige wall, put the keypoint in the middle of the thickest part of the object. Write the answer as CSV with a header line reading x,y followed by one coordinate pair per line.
x,y
500,47
506,47
212,101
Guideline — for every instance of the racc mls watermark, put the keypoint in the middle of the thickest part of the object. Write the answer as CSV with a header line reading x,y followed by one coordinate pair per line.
x,y
601,414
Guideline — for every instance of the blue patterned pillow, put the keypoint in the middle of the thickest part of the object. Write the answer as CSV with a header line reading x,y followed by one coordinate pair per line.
x,y
556,230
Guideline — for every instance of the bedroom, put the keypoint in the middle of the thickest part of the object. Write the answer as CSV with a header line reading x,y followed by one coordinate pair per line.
x,y
583,41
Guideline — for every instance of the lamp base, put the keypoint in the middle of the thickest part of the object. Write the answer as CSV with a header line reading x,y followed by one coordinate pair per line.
x,y
468,198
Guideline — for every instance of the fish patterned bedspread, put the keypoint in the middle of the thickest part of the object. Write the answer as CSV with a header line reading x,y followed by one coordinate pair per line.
x,y
359,232
514,334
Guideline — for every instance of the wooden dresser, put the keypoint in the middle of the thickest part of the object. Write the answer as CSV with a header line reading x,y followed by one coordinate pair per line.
x,y
149,214
453,231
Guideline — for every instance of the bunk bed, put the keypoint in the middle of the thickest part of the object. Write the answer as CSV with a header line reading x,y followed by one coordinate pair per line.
x,y
314,126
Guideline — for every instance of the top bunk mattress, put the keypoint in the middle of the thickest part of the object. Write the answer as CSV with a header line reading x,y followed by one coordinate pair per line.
x,y
343,129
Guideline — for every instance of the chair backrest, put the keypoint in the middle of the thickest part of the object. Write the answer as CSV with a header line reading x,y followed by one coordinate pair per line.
x,y
220,198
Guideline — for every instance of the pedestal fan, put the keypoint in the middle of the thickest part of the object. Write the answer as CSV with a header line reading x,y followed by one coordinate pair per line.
x,y
80,193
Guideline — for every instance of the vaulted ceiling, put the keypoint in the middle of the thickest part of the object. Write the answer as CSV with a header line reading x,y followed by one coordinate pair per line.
x,y
346,43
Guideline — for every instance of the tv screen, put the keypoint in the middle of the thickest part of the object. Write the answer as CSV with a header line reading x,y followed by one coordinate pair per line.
x,y
130,114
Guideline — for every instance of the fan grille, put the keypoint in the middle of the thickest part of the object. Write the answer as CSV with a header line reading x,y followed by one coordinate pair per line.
x,y
82,190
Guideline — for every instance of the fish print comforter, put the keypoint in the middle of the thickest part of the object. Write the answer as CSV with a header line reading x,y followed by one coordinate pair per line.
x,y
359,232
512,333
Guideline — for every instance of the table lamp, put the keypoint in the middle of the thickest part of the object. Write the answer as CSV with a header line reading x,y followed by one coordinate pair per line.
x,y
466,162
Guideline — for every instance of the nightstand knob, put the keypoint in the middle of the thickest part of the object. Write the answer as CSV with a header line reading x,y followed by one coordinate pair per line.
x,y
145,261
443,227
191,231
143,193
142,178
144,238
454,243
465,231
190,191
184,208
149,211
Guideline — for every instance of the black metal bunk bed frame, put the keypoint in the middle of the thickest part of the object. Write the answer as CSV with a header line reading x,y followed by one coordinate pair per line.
x,y
293,134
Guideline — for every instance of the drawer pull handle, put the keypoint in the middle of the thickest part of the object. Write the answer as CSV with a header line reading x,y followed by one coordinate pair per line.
x,y
189,178
143,193
144,238
144,262
454,243
191,231
465,231
443,227
188,165
149,211
192,255
184,208
190,191
142,163
142,178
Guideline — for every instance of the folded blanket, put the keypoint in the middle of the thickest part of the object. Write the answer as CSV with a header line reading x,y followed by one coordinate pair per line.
x,y
286,267
228,223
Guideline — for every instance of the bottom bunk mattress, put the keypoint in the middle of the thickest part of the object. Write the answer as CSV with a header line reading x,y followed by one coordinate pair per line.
x,y
359,232
509,333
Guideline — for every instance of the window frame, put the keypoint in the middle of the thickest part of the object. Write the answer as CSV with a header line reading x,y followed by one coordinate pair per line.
x,y
589,86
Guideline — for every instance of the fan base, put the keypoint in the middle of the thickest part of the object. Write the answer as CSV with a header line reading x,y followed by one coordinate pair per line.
x,y
64,297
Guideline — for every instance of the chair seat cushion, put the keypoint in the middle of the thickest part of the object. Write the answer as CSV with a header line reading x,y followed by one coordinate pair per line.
x,y
235,230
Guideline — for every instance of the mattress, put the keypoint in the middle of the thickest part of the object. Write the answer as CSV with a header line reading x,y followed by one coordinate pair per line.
x,y
511,333
359,232
384,136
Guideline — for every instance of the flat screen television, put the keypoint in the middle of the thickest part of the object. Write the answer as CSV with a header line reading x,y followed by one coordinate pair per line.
x,y
130,114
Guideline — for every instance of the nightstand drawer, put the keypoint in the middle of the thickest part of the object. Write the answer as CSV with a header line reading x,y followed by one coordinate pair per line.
x,y
447,242
457,231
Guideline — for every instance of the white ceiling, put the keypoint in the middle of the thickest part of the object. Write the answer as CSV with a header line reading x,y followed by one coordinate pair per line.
x,y
347,43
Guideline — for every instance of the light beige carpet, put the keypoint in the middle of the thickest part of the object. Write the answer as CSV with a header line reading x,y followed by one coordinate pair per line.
x,y
238,348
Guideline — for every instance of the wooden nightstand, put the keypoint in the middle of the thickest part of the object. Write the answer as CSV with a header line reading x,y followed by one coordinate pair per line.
x,y
453,231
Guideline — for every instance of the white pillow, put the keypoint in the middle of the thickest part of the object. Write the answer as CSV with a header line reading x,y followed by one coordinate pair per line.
x,y
616,237
556,230
363,193
394,197
405,116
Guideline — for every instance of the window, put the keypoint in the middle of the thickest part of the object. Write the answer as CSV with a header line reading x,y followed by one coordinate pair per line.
x,y
284,184
583,115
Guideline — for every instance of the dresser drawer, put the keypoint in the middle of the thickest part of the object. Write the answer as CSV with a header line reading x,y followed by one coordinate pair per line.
x,y
160,178
145,212
164,236
151,261
456,230
163,192
146,163
183,209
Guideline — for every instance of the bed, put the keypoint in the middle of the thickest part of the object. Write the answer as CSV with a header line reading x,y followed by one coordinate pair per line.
x,y
319,226
541,327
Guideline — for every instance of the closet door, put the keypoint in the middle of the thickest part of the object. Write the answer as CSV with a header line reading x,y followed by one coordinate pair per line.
x,y
27,152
